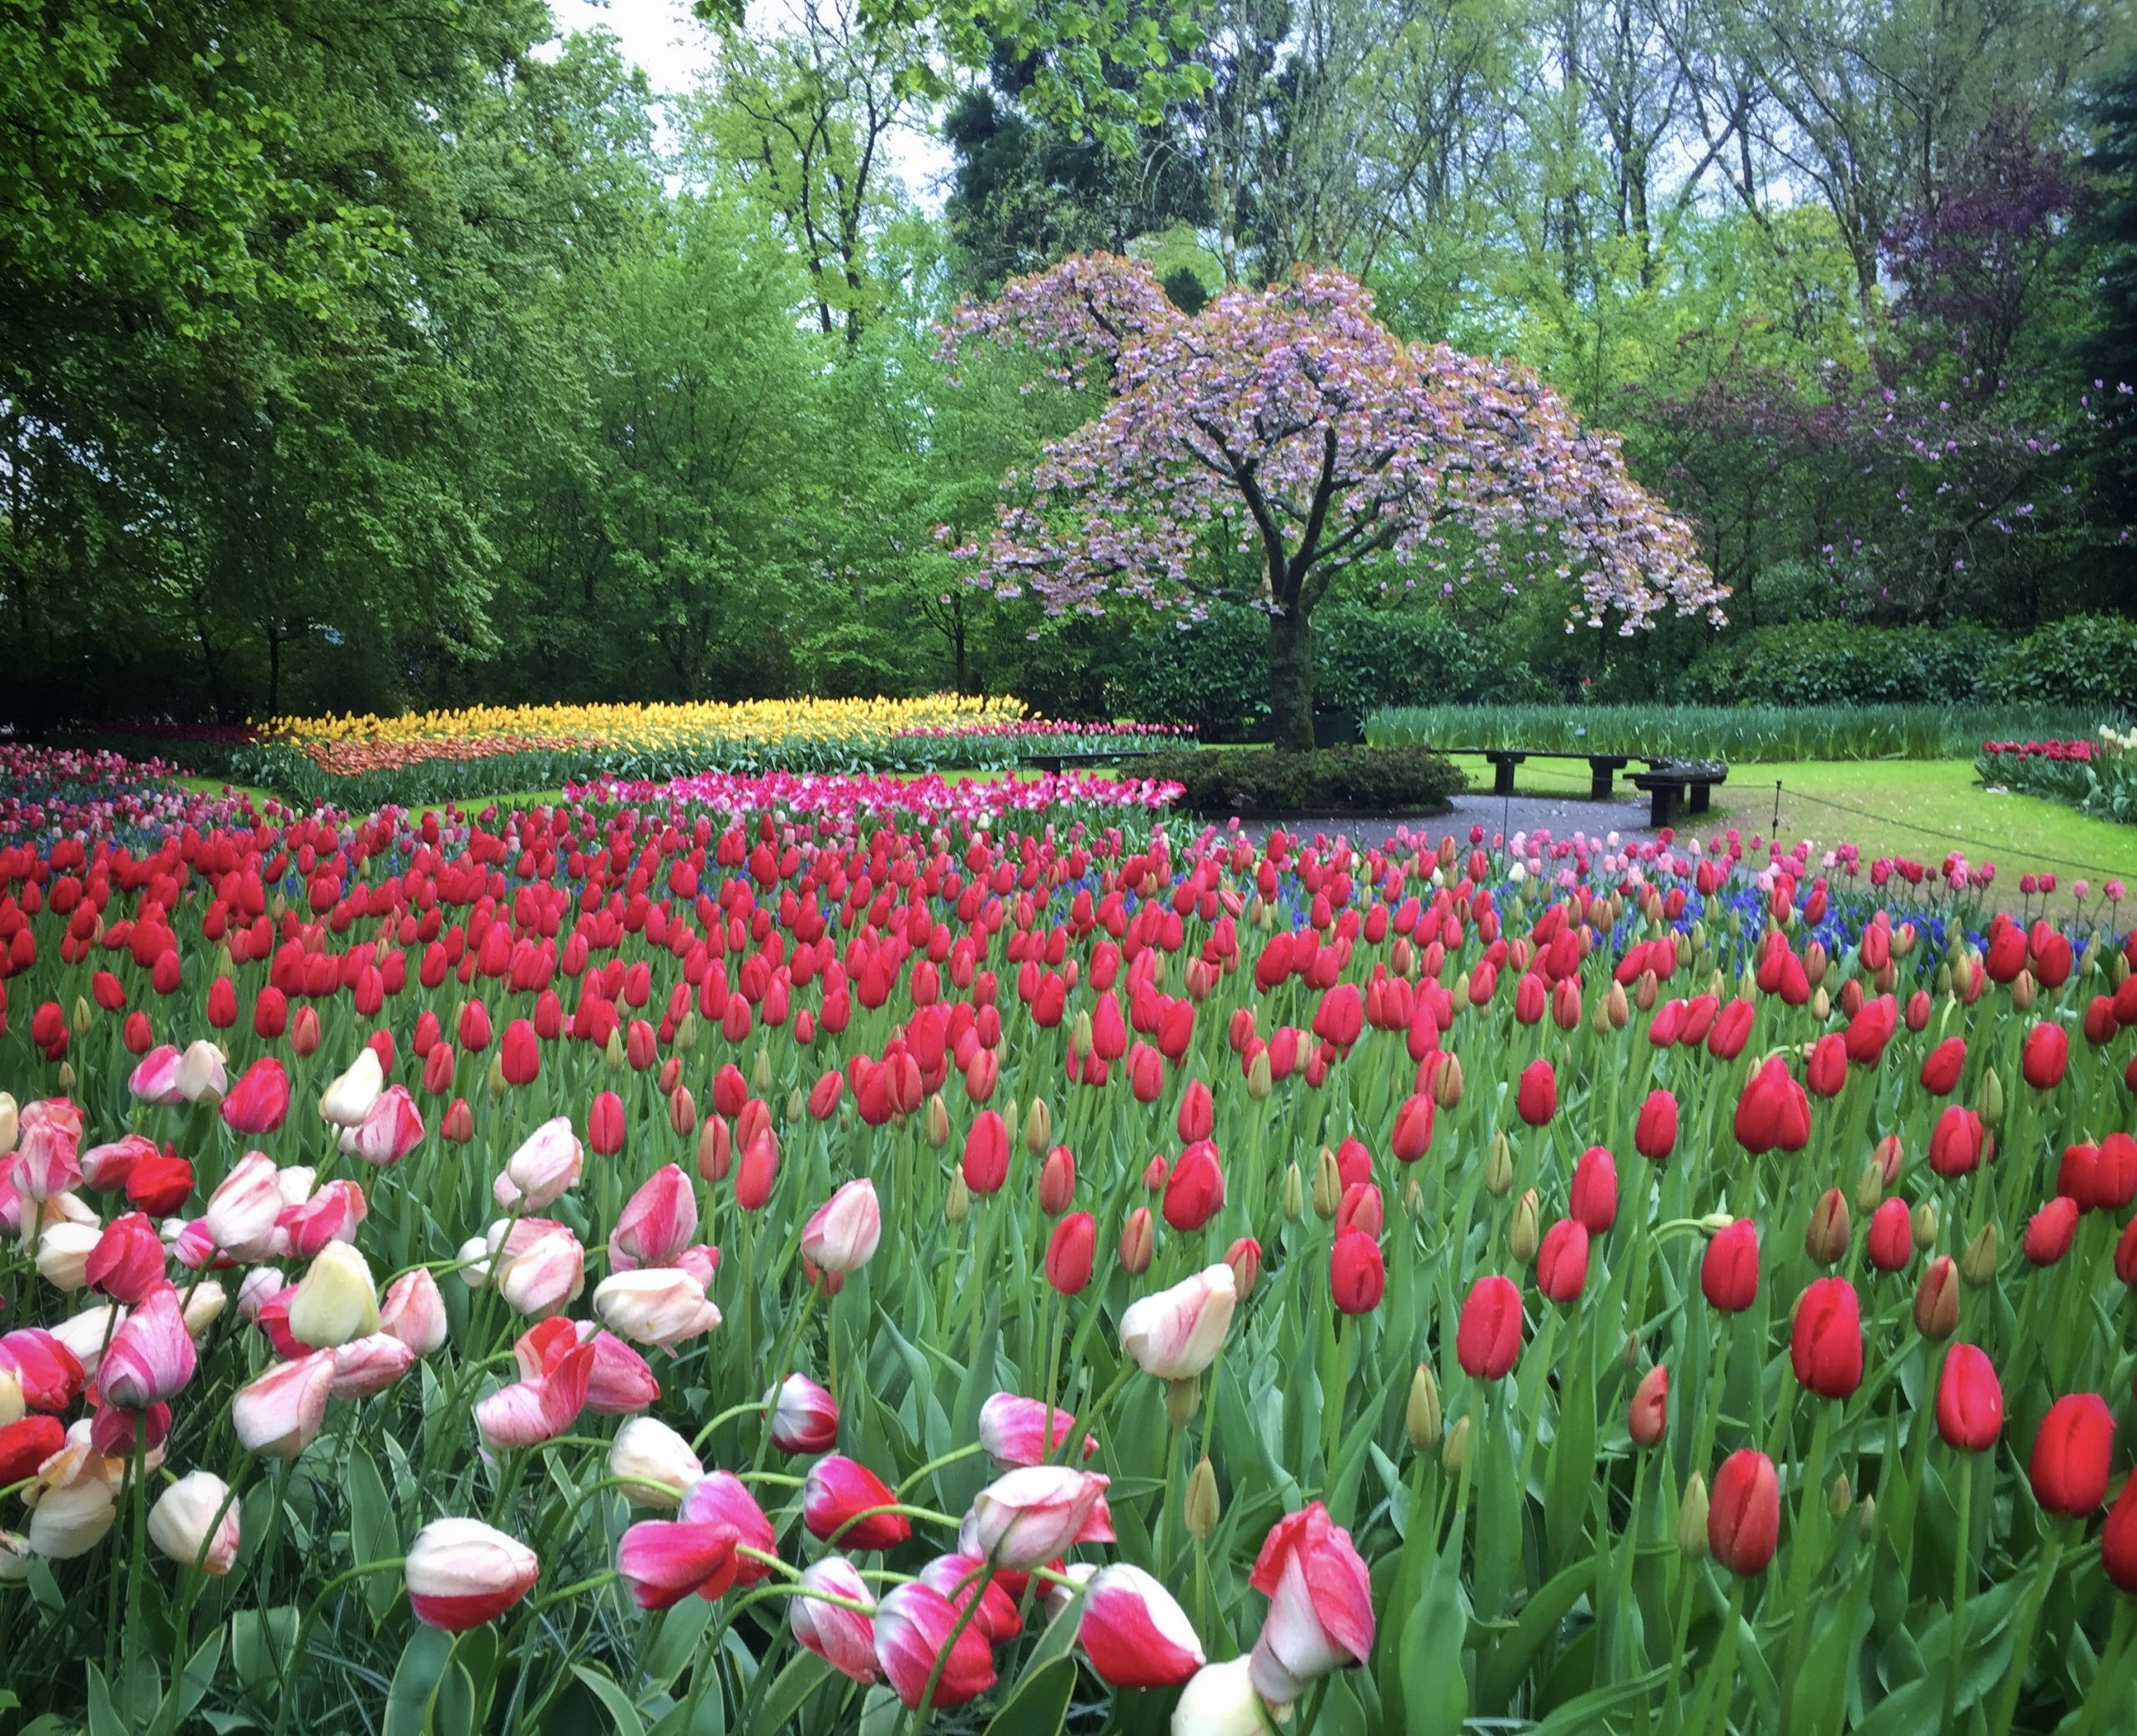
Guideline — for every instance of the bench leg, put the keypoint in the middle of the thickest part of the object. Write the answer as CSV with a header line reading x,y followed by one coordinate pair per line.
x,y
1599,779
1661,807
1503,778
1697,797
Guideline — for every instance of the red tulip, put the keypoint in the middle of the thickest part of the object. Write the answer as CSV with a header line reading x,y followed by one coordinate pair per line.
x,y
1562,1261
1197,1114
1729,1271
1057,1181
1827,1070
126,1263
1892,1236
838,1489
986,1165
2051,1230
2115,1173
26,1443
1743,1519
1134,1634
1956,1142
1655,1135
1537,1098
913,1626
604,1124
1194,1190
1648,1420
2070,1467
1941,1066
1825,1346
1969,1401
2046,1056
1357,1274
1412,1137
1070,1251
1488,1338
1593,1198
2118,1537
663,1561
519,1056
260,1101
1774,1113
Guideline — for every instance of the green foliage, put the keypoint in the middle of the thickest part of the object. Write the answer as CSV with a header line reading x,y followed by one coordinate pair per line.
x,y
2085,660
1837,663
1735,734
1377,780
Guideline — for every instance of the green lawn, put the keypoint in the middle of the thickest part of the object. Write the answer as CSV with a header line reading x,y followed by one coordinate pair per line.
x,y
1918,808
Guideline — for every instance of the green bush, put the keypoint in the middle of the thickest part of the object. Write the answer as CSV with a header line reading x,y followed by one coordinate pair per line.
x,y
2084,660
1333,780
1836,663
1214,673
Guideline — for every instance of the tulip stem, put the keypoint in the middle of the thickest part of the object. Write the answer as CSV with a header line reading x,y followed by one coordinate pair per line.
x,y
1721,1669
920,1712
2006,1701
937,1464
1962,1574
729,1415
284,1693
2111,1661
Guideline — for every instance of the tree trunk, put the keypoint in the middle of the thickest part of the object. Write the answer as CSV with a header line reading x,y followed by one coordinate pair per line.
x,y
1290,679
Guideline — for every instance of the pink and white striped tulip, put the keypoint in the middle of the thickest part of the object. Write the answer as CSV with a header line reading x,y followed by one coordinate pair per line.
x,y
414,1311
1014,1431
1133,1633
656,1223
278,1415
843,1638
462,1573
663,1561
546,1167
912,1628
1320,1604
1176,1334
240,1217
659,1305
152,1355
843,1233
1026,1517
804,1417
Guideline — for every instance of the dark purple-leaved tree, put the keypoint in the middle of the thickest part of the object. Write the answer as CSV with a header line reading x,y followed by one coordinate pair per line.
x,y
1285,433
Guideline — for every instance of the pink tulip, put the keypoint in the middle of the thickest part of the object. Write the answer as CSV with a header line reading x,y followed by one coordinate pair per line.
x,y
1176,1334
462,1573
414,1312
838,1489
278,1415
843,1638
1133,1633
656,1223
241,1214
332,1214
1320,1604
722,1498
48,1152
392,1128
804,1417
657,1306
549,1273
538,1408
962,1578
126,1263
259,1102
47,1370
1015,1431
155,1079
663,1561
546,1167
369,1365
619,1382
843,1233
1026,1517
912,1626
107,1167
151,1356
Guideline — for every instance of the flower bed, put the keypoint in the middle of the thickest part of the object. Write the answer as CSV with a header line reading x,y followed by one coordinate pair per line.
x,y
618,1263
2097,776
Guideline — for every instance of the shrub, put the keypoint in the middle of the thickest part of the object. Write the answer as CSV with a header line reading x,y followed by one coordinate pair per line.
x,y
1360,780
2084,660
1835,662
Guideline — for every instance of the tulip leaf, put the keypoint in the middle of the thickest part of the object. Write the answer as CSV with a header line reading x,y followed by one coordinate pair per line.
x,y
260,1639
618,1703
193,1683
804,1674
416,1680
104,1718
673,1646
1435,1692
1585,1712
373,1535
1040,1705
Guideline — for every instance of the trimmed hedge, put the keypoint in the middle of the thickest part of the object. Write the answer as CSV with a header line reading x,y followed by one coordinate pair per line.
x,y
2083,660
1837,663
1333,780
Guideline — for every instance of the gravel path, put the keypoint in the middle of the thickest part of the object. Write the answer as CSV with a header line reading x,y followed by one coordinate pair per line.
x,y
1496,814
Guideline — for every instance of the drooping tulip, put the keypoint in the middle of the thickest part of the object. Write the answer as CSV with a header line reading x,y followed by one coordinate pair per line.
x,y
804,1417
838,1492
461,1573
1133,1633
1320,1614
1176,1334
912,1628
195,1521
843,1637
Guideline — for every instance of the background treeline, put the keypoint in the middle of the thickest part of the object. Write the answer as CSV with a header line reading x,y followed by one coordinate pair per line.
x,y
361,357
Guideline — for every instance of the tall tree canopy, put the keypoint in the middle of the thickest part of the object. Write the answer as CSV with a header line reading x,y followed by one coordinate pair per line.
x,y
1289,426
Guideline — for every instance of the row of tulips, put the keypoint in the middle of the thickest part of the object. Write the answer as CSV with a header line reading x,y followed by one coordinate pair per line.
x,y
658,1266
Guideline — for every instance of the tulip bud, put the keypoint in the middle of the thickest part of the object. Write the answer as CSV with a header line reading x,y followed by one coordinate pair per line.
x,y
1454,1450
1978,1265
1038,1128
1866,1518
1327,1186
1821,1006
1260,1082
1447,1084
1421,1419
1138,1242
1869,1188
1648,1420
1525,1233
1200,1507
686,1031
1826,1240
1937,1300
1617,1011
760,1075
1183,1398
2024,992
1498,1168
938,1122
1990,1107
66,1077
958,1202
1925,1225
1691,1519
1842,1496
1294,1192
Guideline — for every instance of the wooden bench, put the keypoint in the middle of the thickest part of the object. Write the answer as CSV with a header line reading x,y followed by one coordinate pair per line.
x,y
1670,782
1063,762
1602,768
